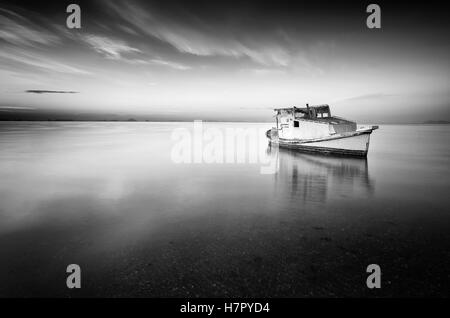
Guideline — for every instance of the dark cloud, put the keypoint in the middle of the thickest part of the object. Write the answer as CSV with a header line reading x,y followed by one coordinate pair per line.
x,y
39,91
16,108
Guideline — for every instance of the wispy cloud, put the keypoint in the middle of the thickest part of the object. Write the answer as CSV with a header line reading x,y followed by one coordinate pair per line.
x,y
174,65
39,91
36,60
18,30
159,62
117,49
197,39
110,48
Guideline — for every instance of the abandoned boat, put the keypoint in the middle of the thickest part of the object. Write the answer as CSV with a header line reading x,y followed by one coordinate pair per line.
x,y
313,129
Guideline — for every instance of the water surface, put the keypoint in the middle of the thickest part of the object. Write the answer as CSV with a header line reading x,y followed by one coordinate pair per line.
x,y
109,197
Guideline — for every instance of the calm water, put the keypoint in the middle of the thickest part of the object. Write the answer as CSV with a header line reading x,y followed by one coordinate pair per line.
x,y
109,197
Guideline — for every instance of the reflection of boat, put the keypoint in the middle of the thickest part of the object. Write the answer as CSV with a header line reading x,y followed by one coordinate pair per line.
x,y
313,129
317,178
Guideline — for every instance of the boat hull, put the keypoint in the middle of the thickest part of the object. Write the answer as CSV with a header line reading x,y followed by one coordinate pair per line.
x,y
354,144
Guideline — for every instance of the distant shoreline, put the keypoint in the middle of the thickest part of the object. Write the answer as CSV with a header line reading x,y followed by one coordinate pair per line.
x,y
429,123
436,122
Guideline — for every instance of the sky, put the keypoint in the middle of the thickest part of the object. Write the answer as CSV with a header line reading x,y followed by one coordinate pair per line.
x,y
223,60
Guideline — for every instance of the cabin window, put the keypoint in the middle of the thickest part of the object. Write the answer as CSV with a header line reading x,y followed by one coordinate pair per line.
x,y
296,123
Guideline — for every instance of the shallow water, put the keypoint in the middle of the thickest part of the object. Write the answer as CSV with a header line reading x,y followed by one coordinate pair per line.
x,y
109,197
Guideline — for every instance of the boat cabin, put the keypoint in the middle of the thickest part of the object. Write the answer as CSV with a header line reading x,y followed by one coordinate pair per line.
x,y
310,122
